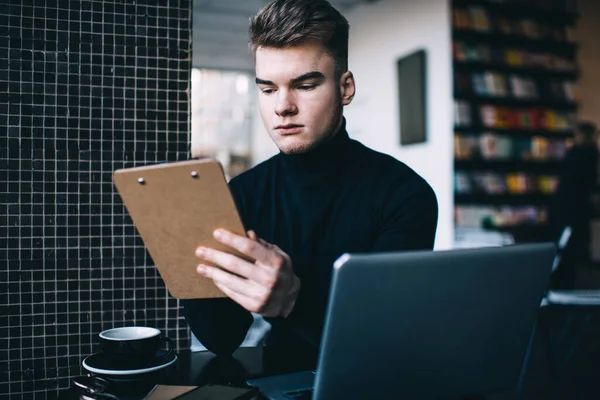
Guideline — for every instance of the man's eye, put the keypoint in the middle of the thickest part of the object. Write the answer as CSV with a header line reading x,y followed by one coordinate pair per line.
x,y
306,87
267,90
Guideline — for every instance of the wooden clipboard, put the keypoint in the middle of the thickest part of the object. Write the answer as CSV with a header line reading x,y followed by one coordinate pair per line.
x,y
175,208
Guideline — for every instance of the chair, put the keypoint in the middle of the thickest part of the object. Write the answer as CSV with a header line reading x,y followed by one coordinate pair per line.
x,y
579,306
574,297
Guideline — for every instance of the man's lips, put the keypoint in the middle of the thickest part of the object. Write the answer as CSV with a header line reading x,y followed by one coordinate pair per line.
x,y
288,129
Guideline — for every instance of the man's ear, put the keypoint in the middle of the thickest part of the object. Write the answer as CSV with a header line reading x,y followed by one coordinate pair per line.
x,y
347,87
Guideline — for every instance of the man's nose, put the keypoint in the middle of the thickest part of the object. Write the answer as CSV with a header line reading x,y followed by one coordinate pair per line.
x,y
285,104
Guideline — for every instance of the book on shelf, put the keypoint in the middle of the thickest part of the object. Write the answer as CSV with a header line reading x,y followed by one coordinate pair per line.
x,y
462,83
465,147
462,113
510,57
481,85
523,88
489,182
547,184
476,216
461,18
531,29
499,183
526,118
462,183
504,26
479,19
493,146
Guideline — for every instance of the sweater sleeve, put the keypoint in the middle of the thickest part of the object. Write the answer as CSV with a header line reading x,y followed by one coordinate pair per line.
x,y
219,324
409,217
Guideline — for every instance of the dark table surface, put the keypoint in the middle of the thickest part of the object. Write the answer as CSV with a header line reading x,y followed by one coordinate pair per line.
x,y
200,368
577,379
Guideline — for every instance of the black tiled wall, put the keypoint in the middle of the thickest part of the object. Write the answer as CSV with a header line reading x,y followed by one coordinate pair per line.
x,y
86,87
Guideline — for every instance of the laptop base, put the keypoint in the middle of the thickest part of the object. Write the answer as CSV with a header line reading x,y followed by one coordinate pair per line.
x,y
276,387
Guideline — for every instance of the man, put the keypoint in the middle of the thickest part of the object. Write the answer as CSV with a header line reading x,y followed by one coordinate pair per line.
x,y
321,196
572,203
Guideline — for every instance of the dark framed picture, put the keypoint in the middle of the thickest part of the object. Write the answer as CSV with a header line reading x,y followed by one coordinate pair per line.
x,y
412,94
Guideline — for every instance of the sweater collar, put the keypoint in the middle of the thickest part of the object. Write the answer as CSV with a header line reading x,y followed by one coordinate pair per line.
x,y
324,160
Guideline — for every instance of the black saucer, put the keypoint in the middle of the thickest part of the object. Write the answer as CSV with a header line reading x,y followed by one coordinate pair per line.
x,y
121,366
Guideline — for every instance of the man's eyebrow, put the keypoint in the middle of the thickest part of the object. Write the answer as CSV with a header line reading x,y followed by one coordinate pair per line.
x,y
303,77
308,75
263,82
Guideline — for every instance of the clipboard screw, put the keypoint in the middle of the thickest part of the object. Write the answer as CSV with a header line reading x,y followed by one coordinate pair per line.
x,y
141,181
194,174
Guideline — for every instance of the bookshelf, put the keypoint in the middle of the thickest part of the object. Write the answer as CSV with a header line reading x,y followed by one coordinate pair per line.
x,y
502,199
515,104
509,165
557,47
475,66
514,132
553,12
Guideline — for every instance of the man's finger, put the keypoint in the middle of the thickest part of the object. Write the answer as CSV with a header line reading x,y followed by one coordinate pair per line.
x,y
230,262
248,303
243,287
253,249
252,235
240,285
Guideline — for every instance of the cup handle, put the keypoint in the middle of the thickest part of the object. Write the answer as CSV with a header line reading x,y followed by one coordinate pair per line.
x,y
169,347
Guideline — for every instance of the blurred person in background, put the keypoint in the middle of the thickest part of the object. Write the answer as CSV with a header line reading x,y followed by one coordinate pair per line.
x,y
572,203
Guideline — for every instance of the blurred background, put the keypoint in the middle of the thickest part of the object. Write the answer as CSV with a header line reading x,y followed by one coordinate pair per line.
x,y
506,84
90,86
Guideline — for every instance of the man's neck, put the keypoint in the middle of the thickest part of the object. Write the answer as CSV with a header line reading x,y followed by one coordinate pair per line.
x,y
332,135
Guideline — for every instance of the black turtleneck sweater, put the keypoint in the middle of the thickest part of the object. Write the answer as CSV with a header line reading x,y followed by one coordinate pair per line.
x,y
340,197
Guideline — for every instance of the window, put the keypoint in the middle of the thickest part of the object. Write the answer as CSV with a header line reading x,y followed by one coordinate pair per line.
x,y
221,112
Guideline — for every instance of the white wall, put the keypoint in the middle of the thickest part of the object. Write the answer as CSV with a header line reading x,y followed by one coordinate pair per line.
x,y
586,34
380,33
262,145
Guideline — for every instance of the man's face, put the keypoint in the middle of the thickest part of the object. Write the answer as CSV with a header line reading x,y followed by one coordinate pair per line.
x,y
300,97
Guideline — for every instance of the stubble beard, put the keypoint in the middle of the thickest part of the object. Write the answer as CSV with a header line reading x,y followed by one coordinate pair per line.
x,y
304,147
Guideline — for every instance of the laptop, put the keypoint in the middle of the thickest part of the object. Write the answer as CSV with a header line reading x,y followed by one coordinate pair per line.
x,y
424,325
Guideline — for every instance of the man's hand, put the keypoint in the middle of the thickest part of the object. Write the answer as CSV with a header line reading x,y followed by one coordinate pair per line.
x,y
268,286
